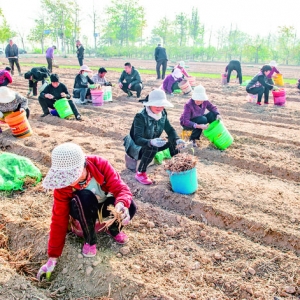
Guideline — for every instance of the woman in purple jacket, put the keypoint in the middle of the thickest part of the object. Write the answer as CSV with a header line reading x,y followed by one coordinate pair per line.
x,y
194,117
171,82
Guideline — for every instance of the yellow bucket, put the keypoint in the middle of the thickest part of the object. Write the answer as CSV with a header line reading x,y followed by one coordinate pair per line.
x,y
278,80
185,134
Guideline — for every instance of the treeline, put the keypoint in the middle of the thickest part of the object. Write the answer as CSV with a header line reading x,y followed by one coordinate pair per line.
x,y
119,31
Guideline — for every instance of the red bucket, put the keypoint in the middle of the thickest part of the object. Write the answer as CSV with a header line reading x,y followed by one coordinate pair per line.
x,y
97,97
279,97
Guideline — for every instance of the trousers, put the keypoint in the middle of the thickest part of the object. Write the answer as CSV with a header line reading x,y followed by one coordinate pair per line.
x,y
196,133
85,207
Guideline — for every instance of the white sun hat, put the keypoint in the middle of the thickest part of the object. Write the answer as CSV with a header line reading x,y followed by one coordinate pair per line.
x,y
158,98
176,73
273,63
6,95
85,68
182,64
199,93
68,161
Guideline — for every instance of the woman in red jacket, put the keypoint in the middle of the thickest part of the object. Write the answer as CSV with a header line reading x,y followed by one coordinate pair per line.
x,y
83,187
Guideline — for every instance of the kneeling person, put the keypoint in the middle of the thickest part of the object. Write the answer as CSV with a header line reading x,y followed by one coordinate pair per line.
x,y
144,139
194,117
84,187
53,92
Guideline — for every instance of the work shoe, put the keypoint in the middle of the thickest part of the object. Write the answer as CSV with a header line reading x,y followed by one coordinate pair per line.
x,y
142,178
44,115
84,102
258,103
194,143
129,94
266,102
121,238
78,118
88,250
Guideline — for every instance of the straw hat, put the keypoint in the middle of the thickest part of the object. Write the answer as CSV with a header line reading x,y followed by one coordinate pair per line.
x,y
6,95
182,64
68,162
199,93
273,63
158,98
85,68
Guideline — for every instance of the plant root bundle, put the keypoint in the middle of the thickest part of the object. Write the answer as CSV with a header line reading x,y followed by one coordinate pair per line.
x,y
180,163
113,217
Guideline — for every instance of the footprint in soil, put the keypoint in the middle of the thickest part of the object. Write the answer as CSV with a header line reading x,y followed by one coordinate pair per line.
x,y
44,134
30,143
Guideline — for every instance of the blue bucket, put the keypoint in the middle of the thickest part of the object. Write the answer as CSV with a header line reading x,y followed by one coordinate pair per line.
x,y
184,182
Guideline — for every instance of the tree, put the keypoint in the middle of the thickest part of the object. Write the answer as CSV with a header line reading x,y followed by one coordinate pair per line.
x,y
37,33
196,30
5,31
163,30
181,28
95,18
286,41
126,21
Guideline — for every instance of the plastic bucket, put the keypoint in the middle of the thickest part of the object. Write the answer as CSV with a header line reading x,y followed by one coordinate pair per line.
x,y
185,134
279,97
19,124
107,94
192,80
161,155
63,108
218,134
97,97
224,78
278,80
184,182
185,86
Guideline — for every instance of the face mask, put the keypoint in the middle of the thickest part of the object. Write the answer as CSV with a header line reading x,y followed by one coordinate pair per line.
x,y
85,74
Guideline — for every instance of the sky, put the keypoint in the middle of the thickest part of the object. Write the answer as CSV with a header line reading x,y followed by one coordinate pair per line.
x,y
254,17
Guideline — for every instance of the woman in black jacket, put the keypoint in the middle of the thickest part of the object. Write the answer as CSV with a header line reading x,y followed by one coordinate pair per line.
x,y
259,85
81,85
144,140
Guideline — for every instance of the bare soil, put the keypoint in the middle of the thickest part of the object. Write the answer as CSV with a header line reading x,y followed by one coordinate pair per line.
x,y
237,237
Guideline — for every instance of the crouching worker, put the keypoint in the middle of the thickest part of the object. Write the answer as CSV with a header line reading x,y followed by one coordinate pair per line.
x,y
194,117
170,83
34,76
5,77
11,101
84,187
260,86
130,80
53,92
100,77
145,140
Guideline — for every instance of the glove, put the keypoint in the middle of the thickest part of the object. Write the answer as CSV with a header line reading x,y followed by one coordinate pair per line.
x,y
180,144
276,88
125,213
22,109
47,269
218,117
29,92
1,115
158,142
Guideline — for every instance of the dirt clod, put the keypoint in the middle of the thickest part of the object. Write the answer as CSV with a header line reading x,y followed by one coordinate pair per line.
x,y
89,270
290,289
251,271
125,250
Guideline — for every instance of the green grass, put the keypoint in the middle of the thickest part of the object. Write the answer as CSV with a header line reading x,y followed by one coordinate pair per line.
x,y
153,72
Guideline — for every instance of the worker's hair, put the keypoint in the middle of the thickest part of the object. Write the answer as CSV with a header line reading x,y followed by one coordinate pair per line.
x,y
102,70
128,64
8,68
54,47
158,45
27,75
266,68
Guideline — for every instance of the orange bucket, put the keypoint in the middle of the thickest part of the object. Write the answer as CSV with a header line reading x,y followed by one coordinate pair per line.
x,y
185,86
19,124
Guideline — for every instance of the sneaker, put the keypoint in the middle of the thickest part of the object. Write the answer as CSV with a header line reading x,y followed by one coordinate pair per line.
x,y
266,102
142,178
121,238
78,118
258,103
89,100
88,250
129,94
84,102
44,115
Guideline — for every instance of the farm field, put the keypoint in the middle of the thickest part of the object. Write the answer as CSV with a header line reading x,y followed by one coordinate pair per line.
x,y
237,237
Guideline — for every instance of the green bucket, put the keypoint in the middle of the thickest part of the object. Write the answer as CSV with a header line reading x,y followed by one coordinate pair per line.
x,y
177,91
63,108
218,134
161,155
245,83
